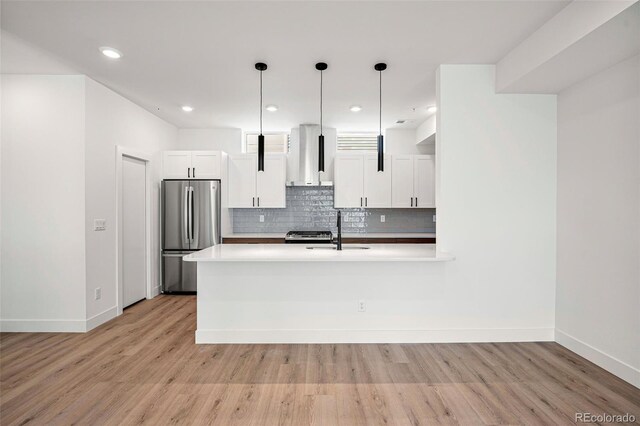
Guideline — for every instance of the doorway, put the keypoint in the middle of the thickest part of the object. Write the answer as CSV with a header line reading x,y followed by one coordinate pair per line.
x,y
133,235
134,238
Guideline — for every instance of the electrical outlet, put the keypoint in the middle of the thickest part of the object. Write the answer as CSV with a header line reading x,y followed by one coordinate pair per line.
x,y
434,218
362,306
98,294
261,218
382,218
99,224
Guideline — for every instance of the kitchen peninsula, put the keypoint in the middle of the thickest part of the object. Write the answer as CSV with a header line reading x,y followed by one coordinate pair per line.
x,y
277,293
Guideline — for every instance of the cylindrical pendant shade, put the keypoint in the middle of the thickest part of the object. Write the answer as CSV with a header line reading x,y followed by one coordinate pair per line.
x,y
321,153
261,153
380,153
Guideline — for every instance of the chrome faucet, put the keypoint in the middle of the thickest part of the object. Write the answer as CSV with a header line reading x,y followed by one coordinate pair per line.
x,y
339,239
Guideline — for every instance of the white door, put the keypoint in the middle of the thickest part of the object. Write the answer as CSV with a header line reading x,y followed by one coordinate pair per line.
x,y
176,164
205,164
242,180
402,181
349,181
134,265
377,185
424,186
271,183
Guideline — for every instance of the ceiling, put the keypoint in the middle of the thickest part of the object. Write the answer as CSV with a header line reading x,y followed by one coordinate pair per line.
x,y
203,53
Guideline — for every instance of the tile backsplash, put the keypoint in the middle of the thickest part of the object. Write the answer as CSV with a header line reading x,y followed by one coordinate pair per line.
x,y
311,208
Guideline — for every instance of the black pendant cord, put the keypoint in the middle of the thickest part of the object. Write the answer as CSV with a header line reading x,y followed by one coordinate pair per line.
x,y
320,102
380,67
261,67
321,66
380,104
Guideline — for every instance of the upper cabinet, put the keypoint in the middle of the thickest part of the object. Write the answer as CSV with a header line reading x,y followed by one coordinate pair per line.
x,y
413,181
249,188
358,182
192,164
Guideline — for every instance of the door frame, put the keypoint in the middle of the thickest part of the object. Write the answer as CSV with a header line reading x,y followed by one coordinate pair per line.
x,y
122,152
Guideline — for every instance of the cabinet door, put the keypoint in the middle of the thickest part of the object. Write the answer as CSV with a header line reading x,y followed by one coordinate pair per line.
x,y
349,181
176,164
377,185
205,164
242,180
271,183
402,181
424,172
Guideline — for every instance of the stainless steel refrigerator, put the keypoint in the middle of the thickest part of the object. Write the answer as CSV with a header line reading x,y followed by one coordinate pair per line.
x,y
190,222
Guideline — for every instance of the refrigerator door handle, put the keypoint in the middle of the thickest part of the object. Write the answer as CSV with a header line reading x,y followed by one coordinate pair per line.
x,y
214,213
185,217
191,214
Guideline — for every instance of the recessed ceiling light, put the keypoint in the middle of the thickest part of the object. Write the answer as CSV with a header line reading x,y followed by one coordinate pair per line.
x,y
111,53
355,108
187,108
271,108
432,109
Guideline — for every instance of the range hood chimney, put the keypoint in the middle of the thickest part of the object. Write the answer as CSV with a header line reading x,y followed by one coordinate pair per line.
x,y
306,156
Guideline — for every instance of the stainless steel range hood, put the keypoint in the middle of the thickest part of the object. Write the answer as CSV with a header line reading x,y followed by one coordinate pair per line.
x,y
303,157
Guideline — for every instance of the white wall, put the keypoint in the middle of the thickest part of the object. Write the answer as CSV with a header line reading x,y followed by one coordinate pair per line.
x,y
59,138
43,196
598,289
403,141
496,200
228,140
112,120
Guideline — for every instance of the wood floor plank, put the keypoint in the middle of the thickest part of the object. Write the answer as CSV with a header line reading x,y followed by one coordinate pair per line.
x,y
144,368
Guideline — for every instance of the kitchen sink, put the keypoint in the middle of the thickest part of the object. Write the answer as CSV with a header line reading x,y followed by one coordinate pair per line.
x,y
343,248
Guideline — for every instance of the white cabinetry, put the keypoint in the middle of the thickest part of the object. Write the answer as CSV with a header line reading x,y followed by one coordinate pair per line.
x,y
192,165
249,188
358,182
413,181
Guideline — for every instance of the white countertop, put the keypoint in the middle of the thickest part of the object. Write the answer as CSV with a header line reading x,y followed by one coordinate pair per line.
x,y
300,253
344,235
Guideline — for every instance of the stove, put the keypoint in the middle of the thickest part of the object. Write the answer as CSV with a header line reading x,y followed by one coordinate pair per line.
x,y
307,237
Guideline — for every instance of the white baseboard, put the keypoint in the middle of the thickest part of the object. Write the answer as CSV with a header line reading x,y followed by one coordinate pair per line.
x,y
613,365
376,336
42,326
155,291
101,318
56,325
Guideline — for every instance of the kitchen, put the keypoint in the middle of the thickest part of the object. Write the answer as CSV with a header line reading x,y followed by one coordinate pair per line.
x,y
391,223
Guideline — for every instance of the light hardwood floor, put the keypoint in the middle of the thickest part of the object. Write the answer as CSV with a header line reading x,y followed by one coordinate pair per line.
x,y
144,368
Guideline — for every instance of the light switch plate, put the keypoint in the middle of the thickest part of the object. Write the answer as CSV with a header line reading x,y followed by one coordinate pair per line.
x,y
261,218
98,293
434,218
382,218
99,224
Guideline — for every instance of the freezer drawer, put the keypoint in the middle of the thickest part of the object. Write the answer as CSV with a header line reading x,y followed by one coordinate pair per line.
x,y
178,276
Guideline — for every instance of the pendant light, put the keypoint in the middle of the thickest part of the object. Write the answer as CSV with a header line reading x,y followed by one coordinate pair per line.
x,y
321,66
380,67
260,66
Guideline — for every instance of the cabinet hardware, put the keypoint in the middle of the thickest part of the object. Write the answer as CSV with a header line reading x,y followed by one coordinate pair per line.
x,y
366,202
258,201
411,201
188,172
416,201
360,201
194,172
253,201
